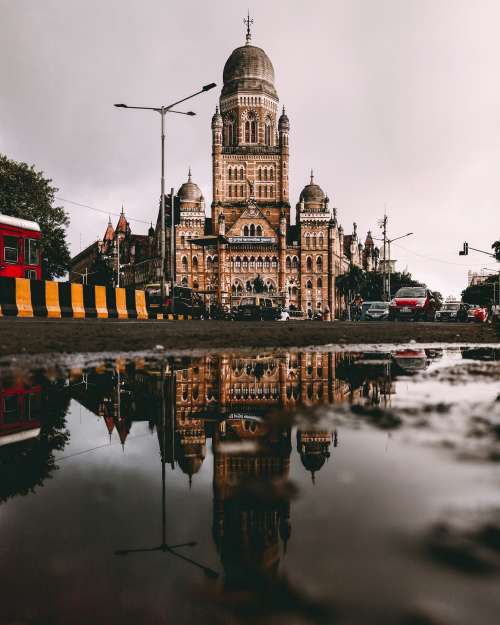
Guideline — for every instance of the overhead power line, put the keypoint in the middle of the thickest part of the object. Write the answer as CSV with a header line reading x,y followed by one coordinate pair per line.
x,y
436,260
100,210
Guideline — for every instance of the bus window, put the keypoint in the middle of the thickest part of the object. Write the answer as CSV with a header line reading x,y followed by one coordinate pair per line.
x,y
31,251
11,252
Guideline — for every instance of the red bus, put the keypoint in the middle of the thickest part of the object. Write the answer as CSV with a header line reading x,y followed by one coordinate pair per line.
x,y
20,250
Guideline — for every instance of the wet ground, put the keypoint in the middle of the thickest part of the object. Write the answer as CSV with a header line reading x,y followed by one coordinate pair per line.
x,y
35,336
354,487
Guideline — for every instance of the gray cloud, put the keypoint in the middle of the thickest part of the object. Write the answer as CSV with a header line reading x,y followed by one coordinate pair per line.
x,y
395,103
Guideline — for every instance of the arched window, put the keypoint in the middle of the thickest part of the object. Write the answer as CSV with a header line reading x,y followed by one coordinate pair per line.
x,y
320,283
252,262
195,263
184,263
272,191
267,263
242,190
274,262
247,132
259,262
309,285
319,263
265,173
242,174
295,263
308,238
259,174
230,191
245,231
309,263
271,174
184,282
209,263
265,191
253,131
258,231
237,262
216,260
288,263
268,132
314,240
230,174
244,264
183,240
321,241
252,230
248,286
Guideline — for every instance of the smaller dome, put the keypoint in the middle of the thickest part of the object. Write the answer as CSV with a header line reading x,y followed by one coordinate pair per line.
x,y
313,461
312,192
190,191
284,122
217,119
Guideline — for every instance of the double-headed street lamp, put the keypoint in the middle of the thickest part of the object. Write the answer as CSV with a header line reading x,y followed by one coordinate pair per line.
x,y
163,110
388,263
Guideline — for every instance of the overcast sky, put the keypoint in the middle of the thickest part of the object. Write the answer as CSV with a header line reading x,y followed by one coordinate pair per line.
x,y
394,103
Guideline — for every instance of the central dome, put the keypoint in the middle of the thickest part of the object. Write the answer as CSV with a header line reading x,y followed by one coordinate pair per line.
x,y
249,69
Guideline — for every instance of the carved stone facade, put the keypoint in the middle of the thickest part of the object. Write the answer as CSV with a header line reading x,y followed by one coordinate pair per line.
x,y
250,233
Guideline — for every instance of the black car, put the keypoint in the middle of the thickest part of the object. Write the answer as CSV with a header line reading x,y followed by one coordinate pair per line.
x,y
257,308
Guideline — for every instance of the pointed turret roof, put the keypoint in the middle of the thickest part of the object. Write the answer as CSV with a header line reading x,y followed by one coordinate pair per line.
x,y
121,226
109,234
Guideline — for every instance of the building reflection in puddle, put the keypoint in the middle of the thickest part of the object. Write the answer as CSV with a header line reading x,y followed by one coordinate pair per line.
x,y
245,405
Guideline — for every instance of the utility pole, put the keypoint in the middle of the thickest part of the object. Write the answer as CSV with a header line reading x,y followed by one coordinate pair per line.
x,y
383,225
172,247
118,261
162,228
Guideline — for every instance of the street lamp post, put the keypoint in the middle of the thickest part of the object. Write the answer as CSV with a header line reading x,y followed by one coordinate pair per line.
x,y
386,289
163,110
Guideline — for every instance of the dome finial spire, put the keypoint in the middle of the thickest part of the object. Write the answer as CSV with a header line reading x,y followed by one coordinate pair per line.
x,y
312,176
248,21
189,174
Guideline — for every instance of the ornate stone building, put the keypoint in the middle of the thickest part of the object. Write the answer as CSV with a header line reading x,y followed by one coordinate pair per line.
x,y
249,232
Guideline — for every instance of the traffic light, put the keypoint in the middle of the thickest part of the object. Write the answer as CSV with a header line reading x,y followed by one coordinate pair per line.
x,y
465,251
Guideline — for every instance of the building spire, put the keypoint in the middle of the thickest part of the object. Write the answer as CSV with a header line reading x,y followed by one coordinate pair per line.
x,y
312,177
189,174
248,21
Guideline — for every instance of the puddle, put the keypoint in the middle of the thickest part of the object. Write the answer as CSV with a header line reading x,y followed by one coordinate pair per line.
x,y
354,487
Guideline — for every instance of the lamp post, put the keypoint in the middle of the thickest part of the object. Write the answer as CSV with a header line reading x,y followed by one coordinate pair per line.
x,y
163,110
387,291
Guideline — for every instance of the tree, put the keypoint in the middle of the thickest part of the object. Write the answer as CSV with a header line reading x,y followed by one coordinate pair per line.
x,y
27,194
258,284
480,294
496,249
351,282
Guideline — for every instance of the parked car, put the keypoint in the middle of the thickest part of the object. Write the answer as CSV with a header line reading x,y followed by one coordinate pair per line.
x,y
365,307
478,314
259,308
296,315
413,302
378,311
186,301
453,311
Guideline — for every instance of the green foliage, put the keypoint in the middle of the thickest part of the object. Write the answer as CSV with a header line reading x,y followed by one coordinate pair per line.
x,y
258,284
481,294
26,194
351,282
496,249
370,284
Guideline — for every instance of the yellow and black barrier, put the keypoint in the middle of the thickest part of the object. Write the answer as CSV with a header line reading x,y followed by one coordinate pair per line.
x,y
20,297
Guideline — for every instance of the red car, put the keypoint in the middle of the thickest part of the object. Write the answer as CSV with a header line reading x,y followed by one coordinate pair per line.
x,y
478,314
413,302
